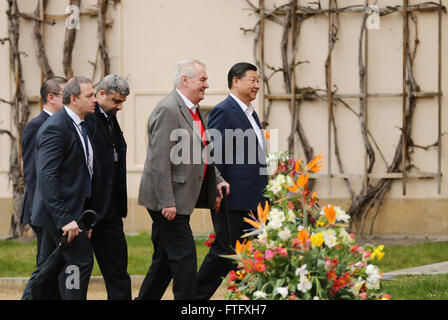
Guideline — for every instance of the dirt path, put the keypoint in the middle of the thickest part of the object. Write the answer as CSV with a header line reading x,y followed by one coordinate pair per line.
x,y
12,289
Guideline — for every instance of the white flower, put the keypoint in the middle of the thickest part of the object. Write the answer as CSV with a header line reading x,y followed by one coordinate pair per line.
x,y
305,284
283,291
316,298
275,213
275,218
357,286
330,238
275,187
345,237
302,271
291,216
341,215
372,270
373,277
259,295
284,234
275,223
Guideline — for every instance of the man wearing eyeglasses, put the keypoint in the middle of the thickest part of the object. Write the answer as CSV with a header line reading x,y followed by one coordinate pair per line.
x,y
51,95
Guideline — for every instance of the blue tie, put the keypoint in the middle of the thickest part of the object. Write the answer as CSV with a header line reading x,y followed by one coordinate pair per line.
x,y
84,135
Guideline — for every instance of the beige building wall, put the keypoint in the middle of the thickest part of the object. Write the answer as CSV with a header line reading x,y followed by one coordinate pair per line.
x,y
148,38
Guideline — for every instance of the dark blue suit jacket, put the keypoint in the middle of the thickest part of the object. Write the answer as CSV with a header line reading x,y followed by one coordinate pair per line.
x,y
247,183
104,175
29,163
62,175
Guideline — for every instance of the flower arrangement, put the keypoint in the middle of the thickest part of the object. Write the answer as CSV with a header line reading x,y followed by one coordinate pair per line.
x,y
297,250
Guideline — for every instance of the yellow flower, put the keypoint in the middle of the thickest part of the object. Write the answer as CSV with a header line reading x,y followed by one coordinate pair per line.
x,y
378,253
320,223
317,239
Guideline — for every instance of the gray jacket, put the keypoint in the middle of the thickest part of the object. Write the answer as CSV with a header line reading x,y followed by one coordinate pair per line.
x,y
166,183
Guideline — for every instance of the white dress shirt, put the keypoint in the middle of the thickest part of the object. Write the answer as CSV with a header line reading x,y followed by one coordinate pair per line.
x,y
248,111
189,104
77,122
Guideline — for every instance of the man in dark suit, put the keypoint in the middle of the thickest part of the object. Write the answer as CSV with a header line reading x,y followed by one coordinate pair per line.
x,y
51,95
175,182
109,198
243,154
64,169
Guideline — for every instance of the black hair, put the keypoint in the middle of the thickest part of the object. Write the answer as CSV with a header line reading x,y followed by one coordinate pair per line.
x,y
239,71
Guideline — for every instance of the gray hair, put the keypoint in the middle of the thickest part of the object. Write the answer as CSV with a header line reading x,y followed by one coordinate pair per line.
x,y
185,67
113,83
72,88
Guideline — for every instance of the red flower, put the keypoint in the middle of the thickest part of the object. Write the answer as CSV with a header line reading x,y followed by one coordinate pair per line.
x,y
233,276
248,265
260,267
211,238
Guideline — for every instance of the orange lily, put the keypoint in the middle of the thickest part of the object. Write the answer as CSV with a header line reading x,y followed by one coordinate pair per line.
x,y
315,164
302,236
330,213
240,247
262,216
298,162
301,181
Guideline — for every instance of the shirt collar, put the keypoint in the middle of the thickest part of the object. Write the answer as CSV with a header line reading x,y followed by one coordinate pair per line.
x,y
247,109
188,103
73,115
103,112
48,112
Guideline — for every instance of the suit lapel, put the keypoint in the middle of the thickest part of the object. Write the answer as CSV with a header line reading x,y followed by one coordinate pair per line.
x,y
240,113
71,125
101,125
187,115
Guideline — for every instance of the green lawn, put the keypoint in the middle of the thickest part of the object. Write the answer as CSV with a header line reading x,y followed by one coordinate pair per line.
x,y
17,260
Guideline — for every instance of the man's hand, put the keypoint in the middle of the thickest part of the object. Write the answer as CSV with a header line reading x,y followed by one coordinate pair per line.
x,y
72,229
169,213
217,204
219,187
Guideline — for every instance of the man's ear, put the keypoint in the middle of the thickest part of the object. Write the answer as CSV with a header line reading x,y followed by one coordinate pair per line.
x,y
235,82
73,100
184,79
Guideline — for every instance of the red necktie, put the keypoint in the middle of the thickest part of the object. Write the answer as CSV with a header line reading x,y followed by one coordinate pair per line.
x,y
201,128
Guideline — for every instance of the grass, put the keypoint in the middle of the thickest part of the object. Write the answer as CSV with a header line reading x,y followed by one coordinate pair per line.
x,y
421,287
17,259
402,257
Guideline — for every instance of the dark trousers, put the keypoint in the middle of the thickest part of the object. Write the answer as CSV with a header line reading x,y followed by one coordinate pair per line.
x,y
214,268
51,290
77,266
111,252
174,258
